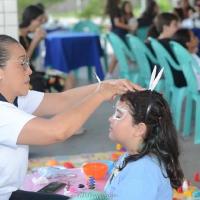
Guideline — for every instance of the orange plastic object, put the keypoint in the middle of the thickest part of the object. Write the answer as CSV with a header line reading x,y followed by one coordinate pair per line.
x,y
52,162
115,156
96,169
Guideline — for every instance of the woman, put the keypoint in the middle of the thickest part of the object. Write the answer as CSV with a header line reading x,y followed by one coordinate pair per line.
x,y
142,123
30,36
147,17
22,113
32,19
118,26
128,16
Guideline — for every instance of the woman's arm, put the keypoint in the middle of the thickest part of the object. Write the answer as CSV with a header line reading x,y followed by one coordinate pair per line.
x,y
38,36
120,24
39,131
64,100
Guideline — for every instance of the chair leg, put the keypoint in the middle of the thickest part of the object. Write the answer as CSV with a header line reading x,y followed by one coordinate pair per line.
x,y
177,102
197,124
188,115
89,68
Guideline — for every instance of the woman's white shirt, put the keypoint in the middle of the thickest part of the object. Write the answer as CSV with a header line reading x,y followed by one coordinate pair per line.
x,y
13,157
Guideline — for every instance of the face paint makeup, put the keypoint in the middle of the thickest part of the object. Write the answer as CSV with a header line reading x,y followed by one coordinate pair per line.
x,y
120,113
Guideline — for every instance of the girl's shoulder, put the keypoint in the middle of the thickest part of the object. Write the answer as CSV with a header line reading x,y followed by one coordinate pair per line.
x,y
148,165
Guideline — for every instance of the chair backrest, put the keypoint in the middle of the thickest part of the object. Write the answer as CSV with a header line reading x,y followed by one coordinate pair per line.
x,y
122,54
143,57
142,32
187,62
165,60
86,26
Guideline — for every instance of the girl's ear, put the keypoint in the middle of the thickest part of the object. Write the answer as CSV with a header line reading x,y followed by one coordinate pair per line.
x,y
142,129
1,74
165,28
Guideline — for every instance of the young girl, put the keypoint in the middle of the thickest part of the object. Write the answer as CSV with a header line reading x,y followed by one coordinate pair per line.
x,y
142,123
188,39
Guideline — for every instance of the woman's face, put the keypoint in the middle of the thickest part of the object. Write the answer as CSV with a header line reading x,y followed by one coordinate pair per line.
x,y
36,23
184,3
16,74
128,8
192,45
121,124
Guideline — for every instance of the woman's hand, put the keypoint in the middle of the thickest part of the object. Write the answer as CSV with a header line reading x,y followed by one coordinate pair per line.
x,y
39,34
110,88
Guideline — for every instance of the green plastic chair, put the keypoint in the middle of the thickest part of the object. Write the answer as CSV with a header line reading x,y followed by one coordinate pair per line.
x,y
173,94
86,26
122,54
93,195
142,56
188,64
142,32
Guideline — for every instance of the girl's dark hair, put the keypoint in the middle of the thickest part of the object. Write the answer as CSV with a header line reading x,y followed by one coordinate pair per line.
x,y
152,32
182,36
5,40
30,13
164,19
150,107
112,7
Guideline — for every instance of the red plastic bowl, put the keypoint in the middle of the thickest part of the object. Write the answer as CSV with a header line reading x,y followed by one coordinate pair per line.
x,y
96,169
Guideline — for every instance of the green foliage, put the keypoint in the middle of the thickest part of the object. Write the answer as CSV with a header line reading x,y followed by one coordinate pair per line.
x,y
24,3
164,5
94,8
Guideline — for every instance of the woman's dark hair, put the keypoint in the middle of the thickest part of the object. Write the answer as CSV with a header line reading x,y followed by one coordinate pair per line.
x,y
164,19
41,6
123,8
160,140
182,36
112,7
150,9
179,13
5,41
30,13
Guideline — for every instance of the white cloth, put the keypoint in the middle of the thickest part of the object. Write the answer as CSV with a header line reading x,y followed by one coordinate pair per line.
x,y
13,157
196,69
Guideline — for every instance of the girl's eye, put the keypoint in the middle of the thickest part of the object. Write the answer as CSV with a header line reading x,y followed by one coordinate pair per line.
x,y
23,63
117,115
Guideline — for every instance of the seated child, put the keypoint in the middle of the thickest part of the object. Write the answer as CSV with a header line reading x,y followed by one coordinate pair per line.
x,y
142,123
187,38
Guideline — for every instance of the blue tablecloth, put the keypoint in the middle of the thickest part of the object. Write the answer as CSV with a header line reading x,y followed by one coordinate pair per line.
x,y
66,51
